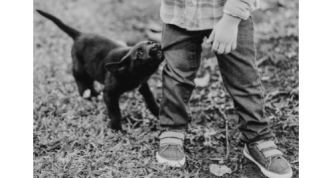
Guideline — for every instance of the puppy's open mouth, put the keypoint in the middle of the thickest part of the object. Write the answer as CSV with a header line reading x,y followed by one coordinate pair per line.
x,y
160,54
156,52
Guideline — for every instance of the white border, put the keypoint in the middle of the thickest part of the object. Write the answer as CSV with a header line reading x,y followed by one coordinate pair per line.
x,y
16,132
315,88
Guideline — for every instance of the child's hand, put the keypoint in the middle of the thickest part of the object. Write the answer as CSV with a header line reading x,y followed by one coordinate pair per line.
x,y
224,34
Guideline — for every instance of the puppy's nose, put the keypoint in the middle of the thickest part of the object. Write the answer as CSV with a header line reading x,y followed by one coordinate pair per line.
x,y
158,46
155,47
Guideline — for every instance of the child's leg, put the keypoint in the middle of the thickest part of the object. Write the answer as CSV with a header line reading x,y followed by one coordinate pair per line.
x,y
242,81
182,51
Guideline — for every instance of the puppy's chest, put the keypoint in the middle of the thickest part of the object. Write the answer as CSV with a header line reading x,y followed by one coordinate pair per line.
x,y
124,84
131,84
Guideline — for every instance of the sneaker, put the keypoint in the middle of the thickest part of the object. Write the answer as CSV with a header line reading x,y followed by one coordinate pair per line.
x,y
171,149
268,158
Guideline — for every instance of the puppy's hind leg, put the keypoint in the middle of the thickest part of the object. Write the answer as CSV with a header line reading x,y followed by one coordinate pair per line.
x,y
83,81
78,73
89,83
79,78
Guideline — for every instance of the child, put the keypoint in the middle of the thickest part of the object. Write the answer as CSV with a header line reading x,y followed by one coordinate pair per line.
x,y
229,27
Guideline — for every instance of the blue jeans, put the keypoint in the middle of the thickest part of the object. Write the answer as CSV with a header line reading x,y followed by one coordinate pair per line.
x,y
182,51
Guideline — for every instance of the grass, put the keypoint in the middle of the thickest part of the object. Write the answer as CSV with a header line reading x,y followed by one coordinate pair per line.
x,y
70,134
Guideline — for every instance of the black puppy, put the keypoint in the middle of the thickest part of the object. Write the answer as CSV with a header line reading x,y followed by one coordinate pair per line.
x,y
119,68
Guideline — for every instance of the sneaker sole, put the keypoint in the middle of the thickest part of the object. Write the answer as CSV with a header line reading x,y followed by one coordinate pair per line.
x,y
263,170
171,163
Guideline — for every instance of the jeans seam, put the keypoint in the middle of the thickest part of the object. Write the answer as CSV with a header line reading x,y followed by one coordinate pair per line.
x,y
193,66
260,88
262,95
196,69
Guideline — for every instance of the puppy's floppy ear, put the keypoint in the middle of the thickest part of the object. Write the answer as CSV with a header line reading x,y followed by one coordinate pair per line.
x,y
121,66
118,67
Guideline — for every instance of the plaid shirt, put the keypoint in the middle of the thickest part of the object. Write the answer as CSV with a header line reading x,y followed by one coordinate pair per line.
x,y
203,14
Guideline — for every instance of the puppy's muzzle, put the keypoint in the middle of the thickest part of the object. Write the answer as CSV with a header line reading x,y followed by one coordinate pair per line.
x,y
156,51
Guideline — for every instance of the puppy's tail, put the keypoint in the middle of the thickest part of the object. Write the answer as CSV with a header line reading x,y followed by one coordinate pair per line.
x,y
69,30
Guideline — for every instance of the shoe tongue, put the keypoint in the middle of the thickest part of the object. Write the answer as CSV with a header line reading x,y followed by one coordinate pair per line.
x,y
173,134
258,142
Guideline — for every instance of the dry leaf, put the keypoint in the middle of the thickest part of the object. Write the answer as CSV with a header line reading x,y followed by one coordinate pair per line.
x,y
219,159
211,63
207,135
87,93
219,170
204,81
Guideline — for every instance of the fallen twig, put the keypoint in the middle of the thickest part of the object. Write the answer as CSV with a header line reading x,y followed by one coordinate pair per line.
x,y
295,161
295,167
261,60
226,128
227,142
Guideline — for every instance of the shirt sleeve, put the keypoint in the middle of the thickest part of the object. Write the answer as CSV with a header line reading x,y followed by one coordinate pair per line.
x,y
241,8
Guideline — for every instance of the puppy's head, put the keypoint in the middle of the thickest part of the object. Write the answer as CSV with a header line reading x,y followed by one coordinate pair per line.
x,y
141,59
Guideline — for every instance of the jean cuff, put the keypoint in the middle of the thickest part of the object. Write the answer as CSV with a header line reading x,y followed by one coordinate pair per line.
x,y
269,136
181,128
